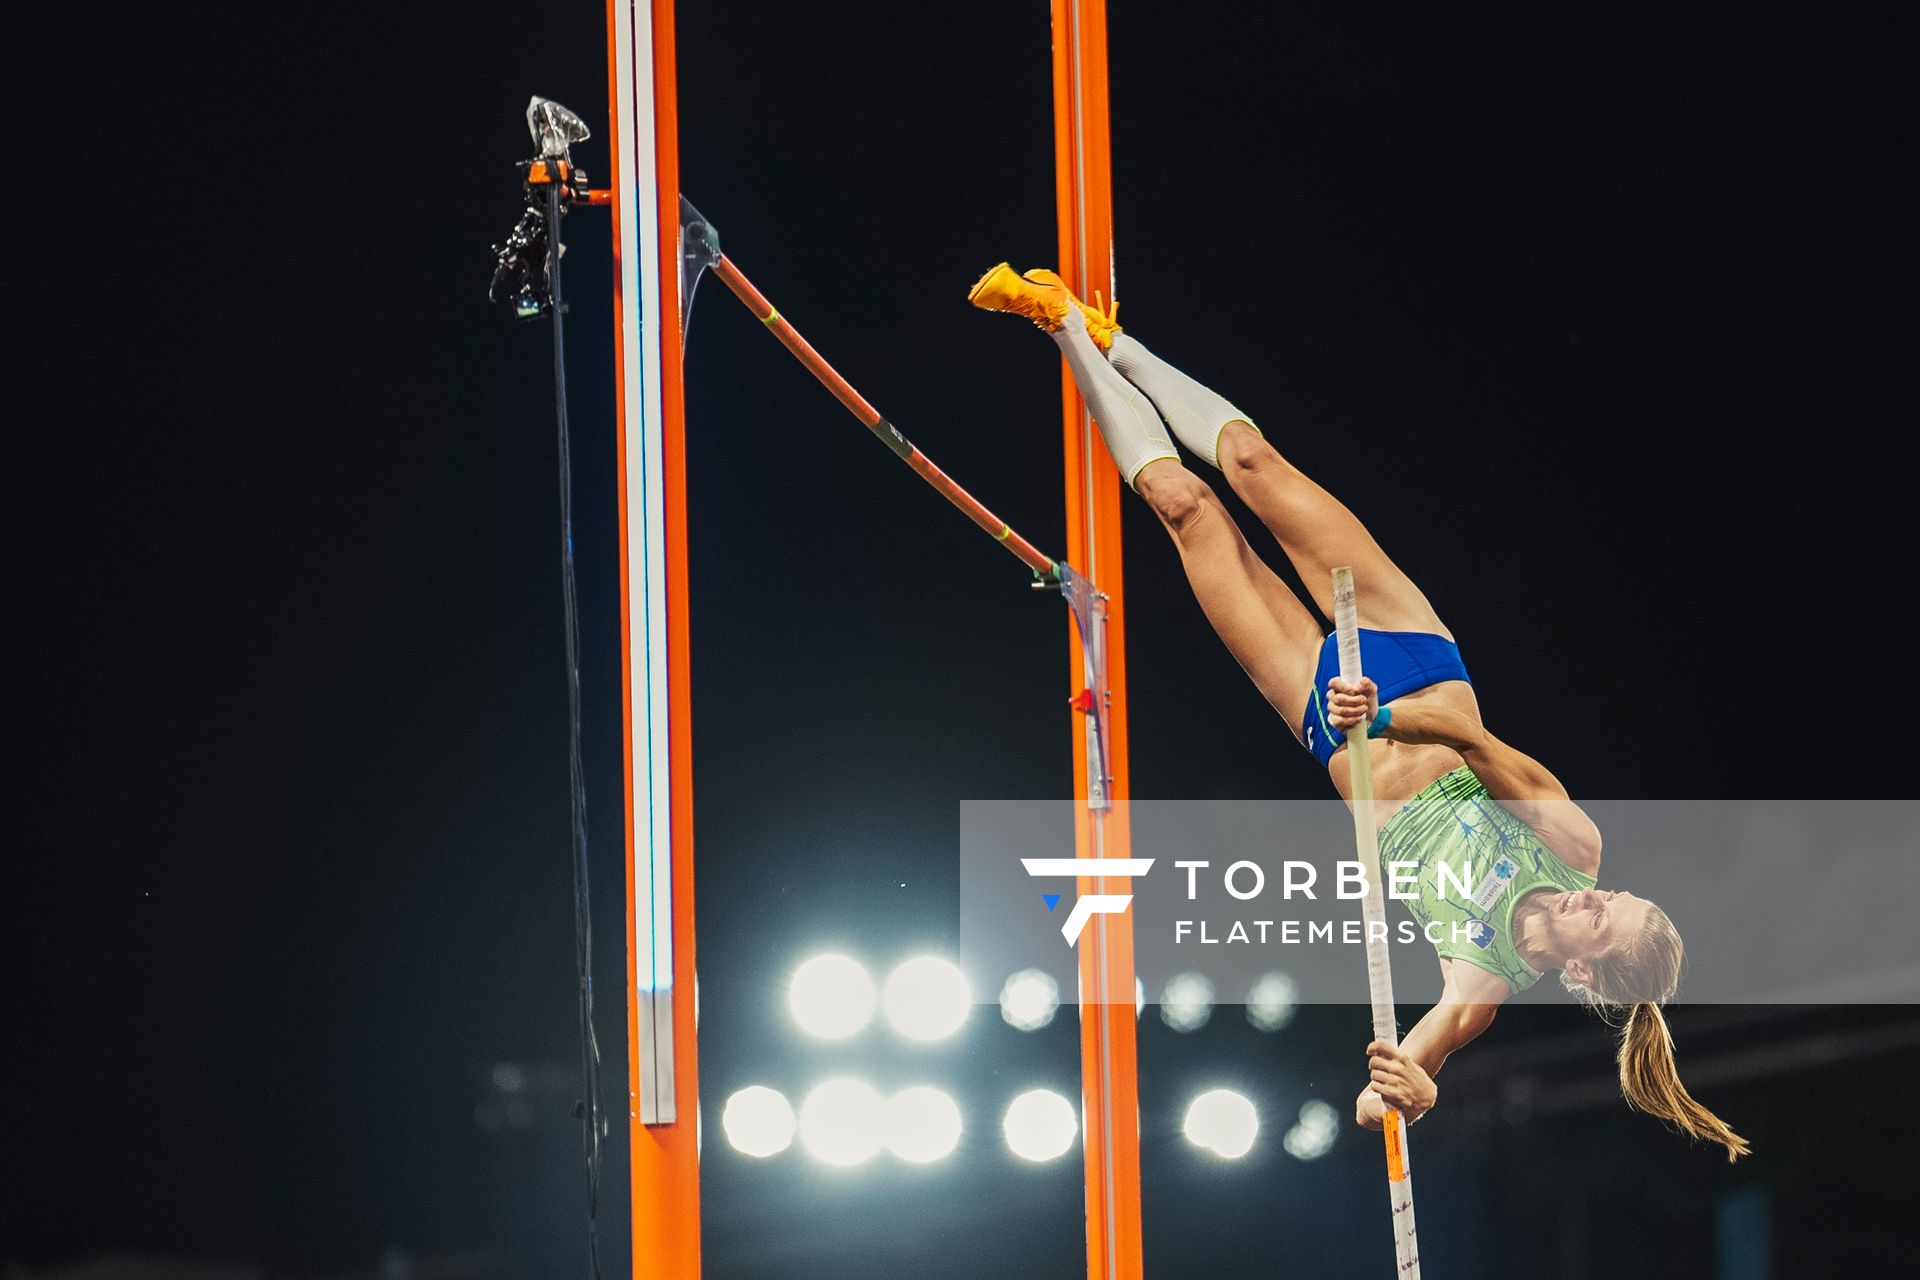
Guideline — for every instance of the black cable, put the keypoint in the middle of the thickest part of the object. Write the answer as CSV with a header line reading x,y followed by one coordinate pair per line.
x,y
589,1110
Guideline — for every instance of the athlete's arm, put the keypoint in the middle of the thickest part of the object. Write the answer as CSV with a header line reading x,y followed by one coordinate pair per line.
x,y
1403,1077
1514,778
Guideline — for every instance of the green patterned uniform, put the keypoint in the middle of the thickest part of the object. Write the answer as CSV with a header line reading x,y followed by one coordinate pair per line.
x,y
1453,821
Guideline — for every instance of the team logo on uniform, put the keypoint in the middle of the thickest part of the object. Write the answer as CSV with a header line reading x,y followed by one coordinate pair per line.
x,y
1480,934
1495,884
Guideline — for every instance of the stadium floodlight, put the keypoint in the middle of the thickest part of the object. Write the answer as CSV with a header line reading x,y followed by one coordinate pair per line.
x,y
922,1124
1028,999
1187,1002
759,1122
1313,1137
831,996
1040,1125
840,1122
1223,1122
1271,1000
927,998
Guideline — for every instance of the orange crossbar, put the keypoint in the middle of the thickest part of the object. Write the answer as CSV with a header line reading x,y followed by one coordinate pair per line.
x,y
1109,1072
872,420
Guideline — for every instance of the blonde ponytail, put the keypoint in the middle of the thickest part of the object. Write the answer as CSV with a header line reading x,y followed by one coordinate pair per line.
x,y
1637,979
1650,1079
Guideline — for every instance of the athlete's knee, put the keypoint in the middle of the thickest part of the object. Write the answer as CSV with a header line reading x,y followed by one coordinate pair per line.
x,y
1244,453
1180,498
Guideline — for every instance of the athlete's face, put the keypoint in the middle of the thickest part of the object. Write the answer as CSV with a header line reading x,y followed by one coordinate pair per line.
x,y
1592,922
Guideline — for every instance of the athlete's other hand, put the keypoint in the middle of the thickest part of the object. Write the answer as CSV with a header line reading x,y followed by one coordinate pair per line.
x,y
1351,703
1399,1081
1370,1111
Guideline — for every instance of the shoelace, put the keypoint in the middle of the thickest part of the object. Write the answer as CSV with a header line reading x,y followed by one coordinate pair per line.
x,y
1109,314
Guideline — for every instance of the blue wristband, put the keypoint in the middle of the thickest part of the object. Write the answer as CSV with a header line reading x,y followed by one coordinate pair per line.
x,y
1378,729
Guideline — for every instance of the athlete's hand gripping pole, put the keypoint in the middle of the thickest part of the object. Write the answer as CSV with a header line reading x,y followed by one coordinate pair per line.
x,y
1406,1243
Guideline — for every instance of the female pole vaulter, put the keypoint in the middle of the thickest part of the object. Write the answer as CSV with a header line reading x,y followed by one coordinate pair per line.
x,y
1465,797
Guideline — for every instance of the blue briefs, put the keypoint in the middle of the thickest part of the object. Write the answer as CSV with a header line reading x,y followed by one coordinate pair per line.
x,y
1399,662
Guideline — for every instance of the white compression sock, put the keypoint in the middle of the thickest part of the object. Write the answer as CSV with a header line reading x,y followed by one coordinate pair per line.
x,y
1196,414
1134,433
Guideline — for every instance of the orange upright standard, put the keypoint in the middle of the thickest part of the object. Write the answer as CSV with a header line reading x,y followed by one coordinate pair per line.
x,y
663,1078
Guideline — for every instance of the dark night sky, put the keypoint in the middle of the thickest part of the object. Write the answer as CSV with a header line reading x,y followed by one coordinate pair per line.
x,y
1589,314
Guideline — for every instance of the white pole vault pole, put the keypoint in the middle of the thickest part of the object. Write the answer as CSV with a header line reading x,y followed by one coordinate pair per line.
x,y
1373,909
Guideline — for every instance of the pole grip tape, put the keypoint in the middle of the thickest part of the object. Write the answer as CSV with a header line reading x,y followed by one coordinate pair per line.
x,y
1394,1128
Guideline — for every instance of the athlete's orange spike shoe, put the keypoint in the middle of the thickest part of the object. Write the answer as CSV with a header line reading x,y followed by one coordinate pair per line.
x,y
1002,290
1102,326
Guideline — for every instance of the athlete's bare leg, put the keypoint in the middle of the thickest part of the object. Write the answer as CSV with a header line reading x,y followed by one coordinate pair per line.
x,y
1320,534
1266,628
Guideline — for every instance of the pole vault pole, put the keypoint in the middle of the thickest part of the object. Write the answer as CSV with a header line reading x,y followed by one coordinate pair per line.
x,y
1373,910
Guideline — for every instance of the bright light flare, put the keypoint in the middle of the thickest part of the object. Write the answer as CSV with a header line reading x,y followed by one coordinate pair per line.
x,y
1187,1002
1271,1001
927,998
831,996
1313,1137
922,1124
841,1121
1040,1125
1223,1122
1028,999
759,1122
